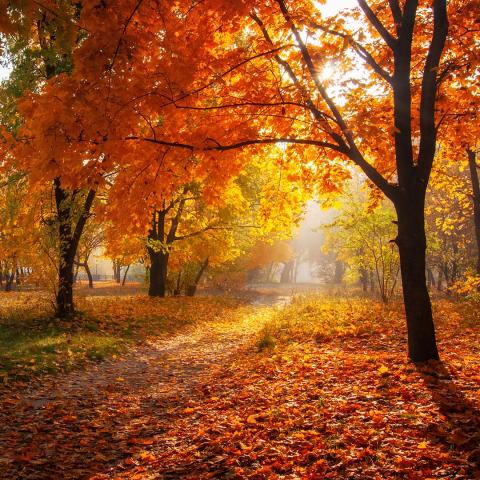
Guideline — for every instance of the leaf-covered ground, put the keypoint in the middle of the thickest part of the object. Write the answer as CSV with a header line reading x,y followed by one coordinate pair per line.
x,y
318,389
110,320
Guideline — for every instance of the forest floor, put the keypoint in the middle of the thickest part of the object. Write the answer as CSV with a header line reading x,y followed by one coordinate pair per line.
x,y
220,388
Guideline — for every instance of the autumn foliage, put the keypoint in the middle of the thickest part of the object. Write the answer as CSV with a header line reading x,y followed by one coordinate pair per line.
x,y
187,141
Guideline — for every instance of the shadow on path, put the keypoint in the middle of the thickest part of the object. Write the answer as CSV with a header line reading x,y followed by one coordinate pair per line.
x,y
460,429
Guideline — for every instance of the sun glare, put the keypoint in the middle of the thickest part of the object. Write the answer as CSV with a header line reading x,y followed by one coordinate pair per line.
x,y
331,7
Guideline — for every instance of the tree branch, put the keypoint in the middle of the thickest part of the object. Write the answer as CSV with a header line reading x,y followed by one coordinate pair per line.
x,y
428,132
360,50
377,24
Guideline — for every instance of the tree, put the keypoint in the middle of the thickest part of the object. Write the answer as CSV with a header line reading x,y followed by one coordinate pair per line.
x,y
91,239
264,81
473,167
42,40
123,250
361,235
449,222
402,48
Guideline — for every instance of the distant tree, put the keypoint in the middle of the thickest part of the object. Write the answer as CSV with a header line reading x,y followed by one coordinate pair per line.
x,y
361,237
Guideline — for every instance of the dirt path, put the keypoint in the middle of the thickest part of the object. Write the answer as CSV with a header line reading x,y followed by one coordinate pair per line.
x,y
90,424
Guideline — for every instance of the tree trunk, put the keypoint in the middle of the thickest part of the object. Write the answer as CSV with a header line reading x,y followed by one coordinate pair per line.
x,y
364,279
77,268
339,272
476,201
9,277
89,274
158,273
439,279
192,289
125,275
116,270
412,246
69,239
64,299
371,278
430,278
286,276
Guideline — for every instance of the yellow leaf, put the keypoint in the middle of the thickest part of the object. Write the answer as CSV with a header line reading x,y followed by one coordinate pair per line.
x,y
422,445
383,370
252,419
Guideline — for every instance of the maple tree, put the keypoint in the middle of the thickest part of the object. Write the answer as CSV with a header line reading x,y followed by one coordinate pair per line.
x,y
191,137
41,50
414,55
260,82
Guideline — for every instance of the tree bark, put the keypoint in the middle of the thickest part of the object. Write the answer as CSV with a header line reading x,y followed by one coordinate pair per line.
x,y
89,274
192,289
9,277
412,246
64,300
69,239
476,201
116,270
158,273
125,275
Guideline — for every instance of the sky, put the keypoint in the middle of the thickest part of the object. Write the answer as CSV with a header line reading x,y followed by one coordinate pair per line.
x,y
334,6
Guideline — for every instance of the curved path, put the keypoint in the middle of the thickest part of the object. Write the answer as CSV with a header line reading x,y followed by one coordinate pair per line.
x,y
90,424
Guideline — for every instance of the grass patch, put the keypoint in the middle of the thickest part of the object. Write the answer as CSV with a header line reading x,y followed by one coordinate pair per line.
x,y
33,343
31,346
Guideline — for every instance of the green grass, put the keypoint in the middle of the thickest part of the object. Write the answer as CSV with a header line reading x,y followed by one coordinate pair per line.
x,y
31,346
33,343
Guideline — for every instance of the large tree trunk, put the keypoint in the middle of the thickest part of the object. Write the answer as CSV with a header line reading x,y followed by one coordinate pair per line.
x,y
65,306
68,244
412,246
158,273
64,300
476,200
